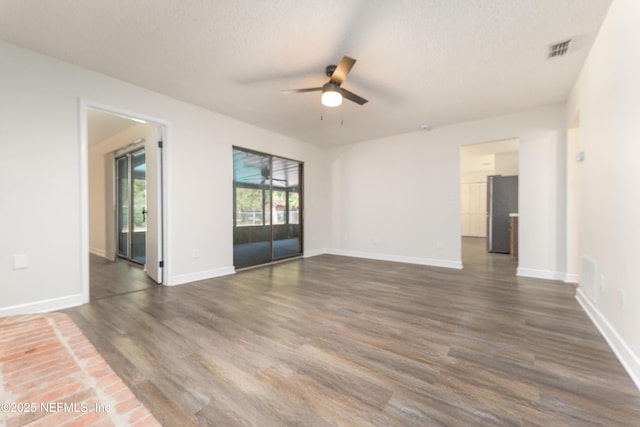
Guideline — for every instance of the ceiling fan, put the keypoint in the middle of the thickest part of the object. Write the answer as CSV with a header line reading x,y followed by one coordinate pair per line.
x,y
332,93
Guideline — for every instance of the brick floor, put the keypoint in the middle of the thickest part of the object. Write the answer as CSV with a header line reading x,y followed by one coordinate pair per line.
x,y
51,375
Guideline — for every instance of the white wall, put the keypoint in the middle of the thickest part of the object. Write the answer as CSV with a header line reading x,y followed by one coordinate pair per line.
x,y
40,177
506,163
500,164
393,199
398,198
475,177
573,205
606,98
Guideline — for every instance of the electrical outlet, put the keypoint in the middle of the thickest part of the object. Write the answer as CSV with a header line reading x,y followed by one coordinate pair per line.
x,y
622,300
603,284
20,262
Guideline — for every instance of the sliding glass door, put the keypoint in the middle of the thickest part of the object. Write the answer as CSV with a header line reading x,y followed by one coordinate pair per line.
x,y
285,200
267,208
132,206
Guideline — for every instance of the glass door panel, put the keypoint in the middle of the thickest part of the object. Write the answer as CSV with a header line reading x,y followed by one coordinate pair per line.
x,y
286,228
279,207
122,188
252,200
138,206
131,198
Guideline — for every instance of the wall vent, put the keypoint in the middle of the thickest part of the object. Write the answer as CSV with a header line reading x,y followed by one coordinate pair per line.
x,y
559,49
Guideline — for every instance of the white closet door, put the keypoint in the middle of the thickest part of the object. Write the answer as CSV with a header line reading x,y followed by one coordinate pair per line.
x,y
464,209
473,198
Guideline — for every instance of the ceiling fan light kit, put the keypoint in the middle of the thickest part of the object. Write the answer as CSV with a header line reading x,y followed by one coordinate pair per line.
x,y
332,92
331,96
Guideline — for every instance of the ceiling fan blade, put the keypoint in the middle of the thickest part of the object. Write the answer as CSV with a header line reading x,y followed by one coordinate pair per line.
x,y
353,97
308,89
343,68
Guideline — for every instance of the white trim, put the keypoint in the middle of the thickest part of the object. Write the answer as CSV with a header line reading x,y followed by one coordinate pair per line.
x,y
625,354
571,278
99,252
43,306
309,254
397,258
84,201
539,274
182,279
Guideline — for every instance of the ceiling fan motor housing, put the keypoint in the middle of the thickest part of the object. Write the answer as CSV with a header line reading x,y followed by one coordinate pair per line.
x,y
330,69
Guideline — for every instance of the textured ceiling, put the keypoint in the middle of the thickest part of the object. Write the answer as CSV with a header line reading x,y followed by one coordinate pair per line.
x,y
433,62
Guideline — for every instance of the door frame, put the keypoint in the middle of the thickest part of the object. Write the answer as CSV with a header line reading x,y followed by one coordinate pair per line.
x,y
271,189
83,106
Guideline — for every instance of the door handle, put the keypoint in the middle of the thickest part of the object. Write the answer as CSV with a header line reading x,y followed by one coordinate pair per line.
x,y
144,214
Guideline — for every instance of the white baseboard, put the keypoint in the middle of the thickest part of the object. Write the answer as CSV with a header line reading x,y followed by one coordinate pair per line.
x,y
98,252
571,278
309,254
397,258
626,356
181,279
540,274
43,306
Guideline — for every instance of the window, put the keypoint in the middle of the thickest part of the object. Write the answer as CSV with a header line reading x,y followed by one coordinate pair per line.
x,y
249,206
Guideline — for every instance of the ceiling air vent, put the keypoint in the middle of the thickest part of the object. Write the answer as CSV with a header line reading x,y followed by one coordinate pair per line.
x,y
559,49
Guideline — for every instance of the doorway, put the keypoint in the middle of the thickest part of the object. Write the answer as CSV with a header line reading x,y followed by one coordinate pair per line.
x,y
267,208
125,204
478,164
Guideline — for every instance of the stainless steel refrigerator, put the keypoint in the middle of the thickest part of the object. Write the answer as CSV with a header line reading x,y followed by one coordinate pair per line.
x,y
502,200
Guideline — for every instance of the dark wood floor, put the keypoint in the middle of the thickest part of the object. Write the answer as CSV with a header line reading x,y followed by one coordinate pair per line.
x,y
332,340
109,278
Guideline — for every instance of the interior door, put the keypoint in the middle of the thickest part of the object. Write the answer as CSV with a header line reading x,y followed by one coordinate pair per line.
x,y
153,244
138,228
131,205
122,205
